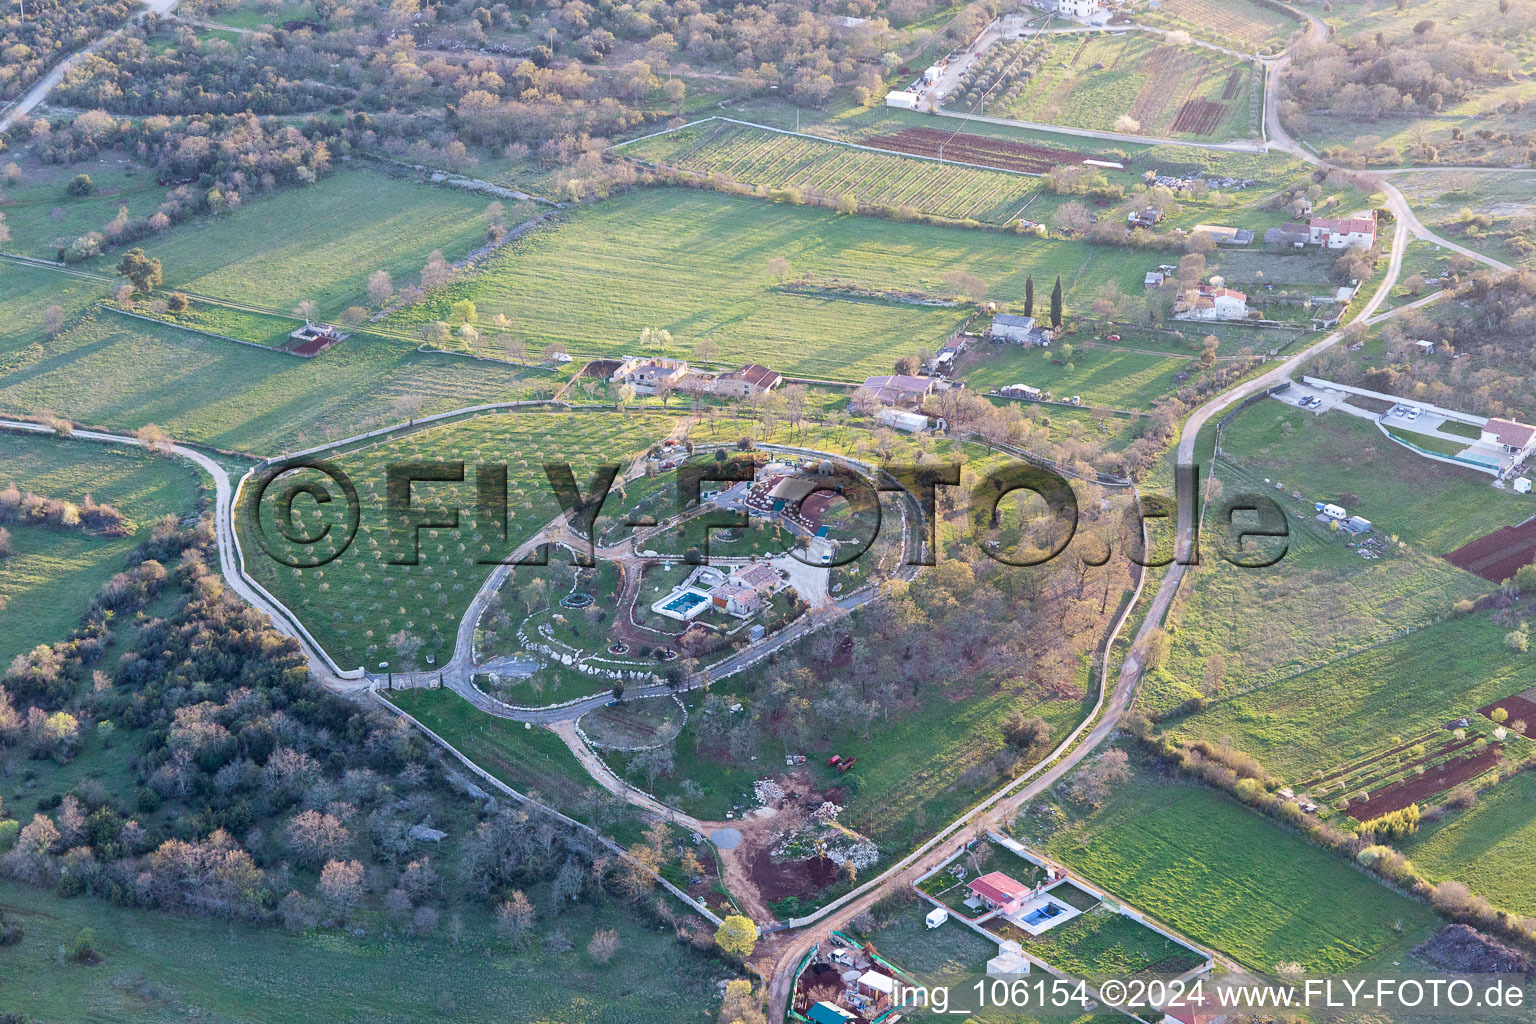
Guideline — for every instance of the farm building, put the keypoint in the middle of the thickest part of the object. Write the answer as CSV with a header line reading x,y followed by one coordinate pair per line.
x,y
1147,217
1154,279
1025,392
1223,235
750,380
312,339
1020,330
647,374
904,99
896,389
1209,303
999,892
1288,236
912,422
1332,233
1513,438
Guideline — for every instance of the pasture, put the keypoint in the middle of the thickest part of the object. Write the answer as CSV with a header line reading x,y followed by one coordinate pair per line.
x,y
757,156
1229,878
1092,80
535,761
42,215
1487,846
1333,714
47,583
161,969
322,241
696,264
119,373
354,604
1104,375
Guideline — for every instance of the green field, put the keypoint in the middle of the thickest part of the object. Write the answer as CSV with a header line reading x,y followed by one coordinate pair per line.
x,y
42,215
1487,846
533,761
159,969
354,603
321,242
120,373
756,156
1230,878
1103,943
1404,687
266,329
1103,375
47,583
1344,459
697,264
1089,81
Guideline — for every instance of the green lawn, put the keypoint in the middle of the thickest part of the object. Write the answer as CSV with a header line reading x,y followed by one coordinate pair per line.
x,y
533,761
1228,877
159,969
1335,714
1103,943
53,574
261,328
354,603
696,264
116,372
1487,846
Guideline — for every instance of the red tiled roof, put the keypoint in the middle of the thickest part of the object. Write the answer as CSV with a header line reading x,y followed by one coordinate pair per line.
x,y
755,375
1516,435
1349,225
998,888
1194,1014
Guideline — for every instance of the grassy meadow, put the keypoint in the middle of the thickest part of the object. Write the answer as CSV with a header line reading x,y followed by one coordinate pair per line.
x,y
1354,705
1227,877
1487,846
159,969
1242,24
46,584
354,603
756,156
696,263
119,373
1116,378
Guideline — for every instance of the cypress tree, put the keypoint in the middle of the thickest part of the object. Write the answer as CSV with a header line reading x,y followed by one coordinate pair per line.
x,y
1029,295
1056,303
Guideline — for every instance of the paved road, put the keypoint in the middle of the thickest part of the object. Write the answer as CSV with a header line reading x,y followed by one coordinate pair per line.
x,y
40,89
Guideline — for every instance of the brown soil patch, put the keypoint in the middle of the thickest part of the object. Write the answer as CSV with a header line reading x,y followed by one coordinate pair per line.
x,y
1495,556
1419,788
1521,709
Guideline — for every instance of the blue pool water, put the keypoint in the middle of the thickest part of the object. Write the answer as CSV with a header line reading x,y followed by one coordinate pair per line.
x,y
685,602
1044,913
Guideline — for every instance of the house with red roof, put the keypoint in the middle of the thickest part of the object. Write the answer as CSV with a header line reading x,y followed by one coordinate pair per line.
x,y
1193,1015
1513,438
999,892
1341,233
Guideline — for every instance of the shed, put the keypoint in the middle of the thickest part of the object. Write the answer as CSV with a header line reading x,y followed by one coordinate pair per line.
x,y
1523,485
876,984
1007,963
937,916
827,1013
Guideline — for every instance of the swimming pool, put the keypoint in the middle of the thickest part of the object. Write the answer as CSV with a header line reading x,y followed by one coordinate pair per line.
x,y
685,602
1044,913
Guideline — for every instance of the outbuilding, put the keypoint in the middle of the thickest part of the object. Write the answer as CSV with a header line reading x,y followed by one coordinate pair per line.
x,y
1522,485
